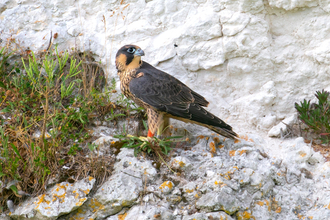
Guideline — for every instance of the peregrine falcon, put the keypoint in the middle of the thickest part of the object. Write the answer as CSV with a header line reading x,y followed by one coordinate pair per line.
x,y
162,95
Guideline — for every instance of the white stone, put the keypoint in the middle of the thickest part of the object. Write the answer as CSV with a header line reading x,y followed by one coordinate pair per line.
x,y
252,6
166,187
180,162
321,52
291,4
148,212
325,5
103,140
129,164
37,134
60,199
282,127
233,22
121,190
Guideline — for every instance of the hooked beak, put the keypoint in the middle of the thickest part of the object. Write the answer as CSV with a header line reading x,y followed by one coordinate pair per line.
x,y
139,52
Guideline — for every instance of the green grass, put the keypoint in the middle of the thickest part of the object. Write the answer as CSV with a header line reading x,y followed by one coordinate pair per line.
x,y
59,95
48,103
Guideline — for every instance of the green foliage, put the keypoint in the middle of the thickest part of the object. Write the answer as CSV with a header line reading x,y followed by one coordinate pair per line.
x,y
147,144
47,76
92,147
317,115
10,158
4,55
114,116
74,149
46,97
47,102
128,104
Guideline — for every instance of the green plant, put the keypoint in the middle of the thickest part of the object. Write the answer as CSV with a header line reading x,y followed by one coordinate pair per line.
x,y
46,111
147,144
114,116
48,76
317,115
47,102
74,149
128,105
4,55
7,157
92,147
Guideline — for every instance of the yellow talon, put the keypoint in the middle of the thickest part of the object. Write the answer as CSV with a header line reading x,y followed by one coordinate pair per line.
x,y
145,139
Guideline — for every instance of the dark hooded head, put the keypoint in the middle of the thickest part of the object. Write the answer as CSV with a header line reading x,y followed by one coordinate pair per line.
x,y
129,57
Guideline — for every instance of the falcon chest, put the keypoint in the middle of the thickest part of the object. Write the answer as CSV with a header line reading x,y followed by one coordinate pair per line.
x,y
125,79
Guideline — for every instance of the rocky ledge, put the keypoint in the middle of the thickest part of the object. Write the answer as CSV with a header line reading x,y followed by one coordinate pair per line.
x,y
215,179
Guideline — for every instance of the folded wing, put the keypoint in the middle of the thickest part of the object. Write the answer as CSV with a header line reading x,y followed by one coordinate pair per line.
x,y
167,94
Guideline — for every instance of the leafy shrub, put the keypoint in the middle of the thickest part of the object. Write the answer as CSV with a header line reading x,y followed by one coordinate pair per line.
x,y
317,115
47,102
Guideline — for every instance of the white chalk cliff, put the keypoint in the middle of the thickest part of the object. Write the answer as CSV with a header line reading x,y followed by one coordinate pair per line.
x,y
251,59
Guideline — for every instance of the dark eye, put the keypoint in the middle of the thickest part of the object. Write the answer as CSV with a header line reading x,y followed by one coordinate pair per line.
x,y
131,50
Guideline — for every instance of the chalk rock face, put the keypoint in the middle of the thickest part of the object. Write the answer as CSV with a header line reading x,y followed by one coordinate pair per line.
x,y
149,212
59,200
228,51
251,59
123,188
291,4
217,178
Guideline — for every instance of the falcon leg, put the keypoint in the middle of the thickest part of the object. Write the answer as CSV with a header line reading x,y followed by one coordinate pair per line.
x,y
155,122
150,134
163,127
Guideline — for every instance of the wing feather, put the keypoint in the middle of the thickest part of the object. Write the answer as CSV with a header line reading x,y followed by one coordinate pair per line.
x,y
165,93
156,85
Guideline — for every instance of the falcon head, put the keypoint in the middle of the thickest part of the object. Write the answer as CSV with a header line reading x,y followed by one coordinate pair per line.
x,y
129,57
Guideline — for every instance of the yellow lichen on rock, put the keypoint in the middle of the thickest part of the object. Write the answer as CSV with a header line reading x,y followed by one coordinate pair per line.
x,y
245,216
212,148
96,205
122,217
86,191
241,152
232,153
81,201
166,184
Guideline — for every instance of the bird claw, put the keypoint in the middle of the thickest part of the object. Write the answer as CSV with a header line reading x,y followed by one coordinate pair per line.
x,y
141,138
145,139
